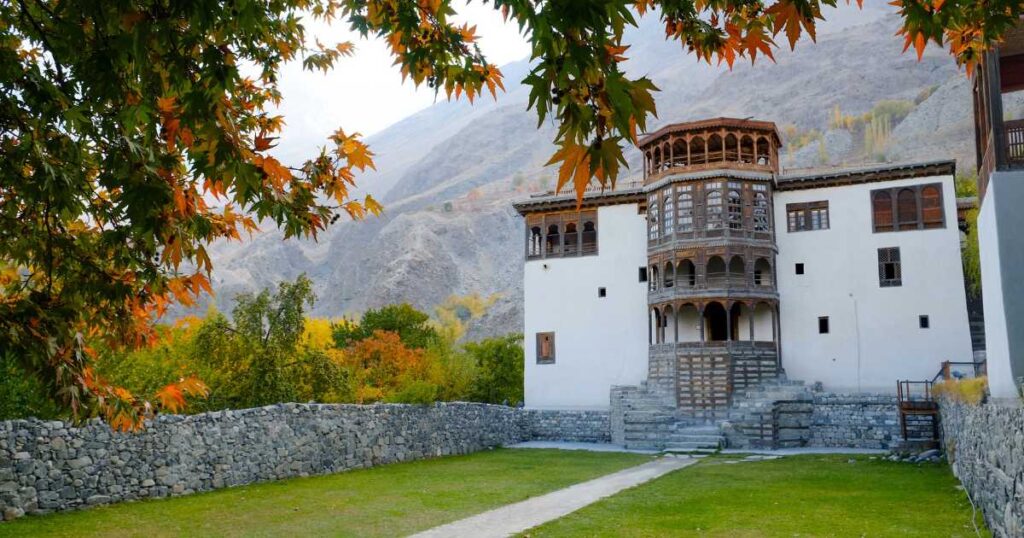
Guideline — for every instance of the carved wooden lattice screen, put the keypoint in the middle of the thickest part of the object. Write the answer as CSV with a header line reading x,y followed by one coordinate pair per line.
x,y
703,384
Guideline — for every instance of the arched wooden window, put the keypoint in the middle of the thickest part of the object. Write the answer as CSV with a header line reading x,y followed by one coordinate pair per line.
x,y
535,244
906,209
931,207
553,246
571,239
714,210
670,275
669,219
881,211
685,211
735,210
653,217
589,237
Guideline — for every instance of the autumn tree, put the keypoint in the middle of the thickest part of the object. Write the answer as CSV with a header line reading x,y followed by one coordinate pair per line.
x,y
412,326
130,138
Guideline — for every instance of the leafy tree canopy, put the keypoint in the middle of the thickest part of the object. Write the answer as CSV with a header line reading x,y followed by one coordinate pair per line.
x,y
130,137
412,326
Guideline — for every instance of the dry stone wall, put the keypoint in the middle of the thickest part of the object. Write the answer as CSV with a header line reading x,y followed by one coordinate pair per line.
x,y
855,421
51,466
985,446
575,426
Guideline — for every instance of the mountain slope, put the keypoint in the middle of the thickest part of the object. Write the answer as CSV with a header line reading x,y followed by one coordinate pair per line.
x,y
448,173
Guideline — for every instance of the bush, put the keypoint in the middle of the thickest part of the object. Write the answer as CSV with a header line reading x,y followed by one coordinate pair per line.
x,y
500,369
969,391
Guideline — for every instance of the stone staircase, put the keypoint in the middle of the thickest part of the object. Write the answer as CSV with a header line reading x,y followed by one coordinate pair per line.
x,y
774,414
757,420
650,421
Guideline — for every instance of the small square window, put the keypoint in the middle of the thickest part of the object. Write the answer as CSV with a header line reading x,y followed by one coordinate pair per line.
x,y
823,325
923,322
602,292
643,274
799,268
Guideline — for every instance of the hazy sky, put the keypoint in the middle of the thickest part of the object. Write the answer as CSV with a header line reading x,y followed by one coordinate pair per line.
x,y
365,92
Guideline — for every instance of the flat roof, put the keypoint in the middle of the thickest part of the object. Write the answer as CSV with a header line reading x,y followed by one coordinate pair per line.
x,y
813,179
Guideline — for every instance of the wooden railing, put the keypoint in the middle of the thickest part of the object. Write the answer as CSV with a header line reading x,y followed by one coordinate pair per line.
x,y
1014,135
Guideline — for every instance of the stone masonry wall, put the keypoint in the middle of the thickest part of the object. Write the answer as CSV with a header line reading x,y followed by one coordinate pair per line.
x,y
51,466
855,421
985,446
576,426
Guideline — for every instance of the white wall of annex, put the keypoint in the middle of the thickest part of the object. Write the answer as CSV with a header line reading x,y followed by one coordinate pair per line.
x,y
599,342
1002,284
874,337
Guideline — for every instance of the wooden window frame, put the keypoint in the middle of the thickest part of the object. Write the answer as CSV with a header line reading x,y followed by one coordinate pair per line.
x,y
899,225
551,358
799,216
562,219
885,257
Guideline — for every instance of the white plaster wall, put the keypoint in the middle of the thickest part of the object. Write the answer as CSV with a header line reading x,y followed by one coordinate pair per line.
x,y
599,342
874,337
999,224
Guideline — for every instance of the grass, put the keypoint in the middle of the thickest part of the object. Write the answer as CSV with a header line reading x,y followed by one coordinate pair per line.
x,y
390,500
795,496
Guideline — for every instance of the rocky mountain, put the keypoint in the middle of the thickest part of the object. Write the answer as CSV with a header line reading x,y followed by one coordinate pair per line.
x,y
447,174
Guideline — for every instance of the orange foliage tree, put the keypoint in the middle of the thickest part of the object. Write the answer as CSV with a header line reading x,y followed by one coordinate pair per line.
x,y
381,364
130,139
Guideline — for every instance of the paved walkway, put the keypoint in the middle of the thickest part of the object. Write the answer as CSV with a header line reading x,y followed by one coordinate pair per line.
x,y
518,517
589,447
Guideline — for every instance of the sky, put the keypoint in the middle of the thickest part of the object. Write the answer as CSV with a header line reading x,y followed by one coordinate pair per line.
x,y
364,93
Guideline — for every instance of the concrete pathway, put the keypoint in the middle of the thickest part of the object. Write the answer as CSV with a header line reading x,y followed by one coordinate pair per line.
x,y
589,447
518,517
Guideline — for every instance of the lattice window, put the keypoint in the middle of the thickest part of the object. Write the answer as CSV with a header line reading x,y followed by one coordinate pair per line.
x,y
890,273
685,208
653,217
713,210
762,222
735,207
670,214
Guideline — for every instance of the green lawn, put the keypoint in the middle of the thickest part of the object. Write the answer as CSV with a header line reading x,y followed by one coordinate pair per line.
x,y
795,496
391,500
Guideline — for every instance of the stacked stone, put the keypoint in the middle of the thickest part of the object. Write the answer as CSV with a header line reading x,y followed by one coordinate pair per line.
x,y
575,426
985,445
855,421
51,466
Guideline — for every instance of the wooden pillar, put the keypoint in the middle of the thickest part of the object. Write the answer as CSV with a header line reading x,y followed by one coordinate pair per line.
x,y
750,316
728,320
688,140
700,314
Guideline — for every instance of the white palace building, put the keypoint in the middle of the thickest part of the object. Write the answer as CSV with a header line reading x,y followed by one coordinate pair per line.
x,y
716,273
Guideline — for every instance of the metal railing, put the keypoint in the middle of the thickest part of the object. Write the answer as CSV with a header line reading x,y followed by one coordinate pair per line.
x,y
960,370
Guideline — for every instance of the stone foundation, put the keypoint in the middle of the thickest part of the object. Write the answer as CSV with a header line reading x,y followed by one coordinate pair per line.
x,y
575,426
855,421
985,447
